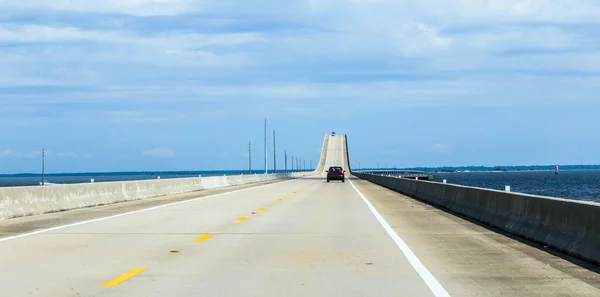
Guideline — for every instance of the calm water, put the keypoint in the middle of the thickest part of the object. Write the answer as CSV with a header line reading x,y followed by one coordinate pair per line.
x,y
573,184
76,178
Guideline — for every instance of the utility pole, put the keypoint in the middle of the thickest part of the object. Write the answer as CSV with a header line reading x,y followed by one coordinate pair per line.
x,y
249,157
274,154
43,166
304,165
266,156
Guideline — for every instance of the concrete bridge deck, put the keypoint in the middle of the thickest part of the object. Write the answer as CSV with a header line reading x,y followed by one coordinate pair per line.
x,y
301,237
295,238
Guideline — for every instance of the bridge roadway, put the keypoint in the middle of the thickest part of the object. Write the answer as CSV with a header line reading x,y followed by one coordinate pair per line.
x,y
303,237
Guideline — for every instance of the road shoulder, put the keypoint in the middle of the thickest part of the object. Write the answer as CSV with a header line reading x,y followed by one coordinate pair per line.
x,y
471,260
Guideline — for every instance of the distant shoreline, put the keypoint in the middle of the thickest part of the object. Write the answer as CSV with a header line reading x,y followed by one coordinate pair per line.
x,y
533,168
450,169
476,170
501,171
159,173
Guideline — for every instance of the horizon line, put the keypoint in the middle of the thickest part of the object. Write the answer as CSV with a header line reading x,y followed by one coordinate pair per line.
x,y
261,170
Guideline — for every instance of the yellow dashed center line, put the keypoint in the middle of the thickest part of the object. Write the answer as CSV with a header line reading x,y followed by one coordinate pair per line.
x,y
203,238
281,199
124,277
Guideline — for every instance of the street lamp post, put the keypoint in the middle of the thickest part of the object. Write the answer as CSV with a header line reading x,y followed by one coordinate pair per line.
x,y
266,156
249,157
43,166
285,155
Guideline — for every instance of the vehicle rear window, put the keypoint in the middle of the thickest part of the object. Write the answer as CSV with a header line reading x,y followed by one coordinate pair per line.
x,y
335,169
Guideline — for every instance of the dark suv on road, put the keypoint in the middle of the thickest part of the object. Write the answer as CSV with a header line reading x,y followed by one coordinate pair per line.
x,y
336,173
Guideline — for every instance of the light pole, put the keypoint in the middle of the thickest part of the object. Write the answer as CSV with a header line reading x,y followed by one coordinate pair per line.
x,y
266,156
43,166
285,153
274,155
249,157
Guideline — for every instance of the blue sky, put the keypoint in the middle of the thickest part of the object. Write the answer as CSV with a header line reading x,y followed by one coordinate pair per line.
x,y
122,85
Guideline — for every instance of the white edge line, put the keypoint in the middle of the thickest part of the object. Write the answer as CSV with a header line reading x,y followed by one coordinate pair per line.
x,y
138,211
431,282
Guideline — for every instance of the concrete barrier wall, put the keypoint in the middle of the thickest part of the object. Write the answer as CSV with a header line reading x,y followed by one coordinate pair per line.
x,y
569,226
321,166
346,157
25,201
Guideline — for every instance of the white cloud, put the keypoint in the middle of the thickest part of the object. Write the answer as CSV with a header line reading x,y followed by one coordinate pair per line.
x,y
67,155
442,148
340,50
46,33
34,154
96,61
9,153
159,153
27,155
205,58
5,152
420,39
531,10
134,7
